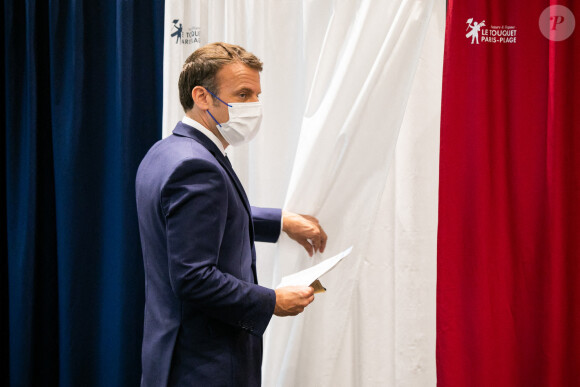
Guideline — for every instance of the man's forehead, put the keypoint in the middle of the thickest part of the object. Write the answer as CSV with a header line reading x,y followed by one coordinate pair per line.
x,y
238,75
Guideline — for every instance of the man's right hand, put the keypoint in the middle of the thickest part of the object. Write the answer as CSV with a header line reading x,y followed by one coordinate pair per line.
x,y
291,300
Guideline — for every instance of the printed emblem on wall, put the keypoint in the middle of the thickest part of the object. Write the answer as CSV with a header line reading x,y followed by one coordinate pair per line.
x,y
187,36
479,32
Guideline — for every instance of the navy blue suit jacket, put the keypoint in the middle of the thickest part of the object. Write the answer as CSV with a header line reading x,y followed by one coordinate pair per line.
x,y
204,312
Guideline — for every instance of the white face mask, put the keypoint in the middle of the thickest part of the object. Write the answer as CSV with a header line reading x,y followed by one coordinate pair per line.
x,y
244,122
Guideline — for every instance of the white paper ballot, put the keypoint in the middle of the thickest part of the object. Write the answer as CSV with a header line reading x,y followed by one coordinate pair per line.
x,y
309,276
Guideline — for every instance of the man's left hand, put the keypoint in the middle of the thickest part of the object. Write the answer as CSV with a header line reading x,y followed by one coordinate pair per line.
x,y
305,230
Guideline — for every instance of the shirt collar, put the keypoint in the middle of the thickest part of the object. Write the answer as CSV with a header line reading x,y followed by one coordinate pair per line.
x,y
193,123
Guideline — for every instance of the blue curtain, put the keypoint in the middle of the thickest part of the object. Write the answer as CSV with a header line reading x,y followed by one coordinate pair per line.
x,y
81,106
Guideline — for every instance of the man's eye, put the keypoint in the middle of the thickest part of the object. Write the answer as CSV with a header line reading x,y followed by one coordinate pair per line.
x,y
243,95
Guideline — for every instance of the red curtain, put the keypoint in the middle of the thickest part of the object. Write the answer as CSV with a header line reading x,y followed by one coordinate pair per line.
x,y
508,292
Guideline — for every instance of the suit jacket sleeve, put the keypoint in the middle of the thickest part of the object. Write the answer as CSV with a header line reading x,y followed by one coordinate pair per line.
x,y
193,201
267,223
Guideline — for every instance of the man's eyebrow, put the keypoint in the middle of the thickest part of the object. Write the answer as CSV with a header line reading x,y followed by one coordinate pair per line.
x,y
244,89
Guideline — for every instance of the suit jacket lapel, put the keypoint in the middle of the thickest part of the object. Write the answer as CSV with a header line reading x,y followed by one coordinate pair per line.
x,y
188,131
228,167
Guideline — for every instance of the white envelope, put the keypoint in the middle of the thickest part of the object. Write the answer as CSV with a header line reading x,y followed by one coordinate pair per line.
x,y
309,277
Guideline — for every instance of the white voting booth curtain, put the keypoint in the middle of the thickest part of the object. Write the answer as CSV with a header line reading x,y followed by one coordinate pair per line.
x,y
351,97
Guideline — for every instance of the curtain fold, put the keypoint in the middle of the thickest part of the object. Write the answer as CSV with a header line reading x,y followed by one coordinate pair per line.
x,y
509,219
5,340
31,237
83,105
364,66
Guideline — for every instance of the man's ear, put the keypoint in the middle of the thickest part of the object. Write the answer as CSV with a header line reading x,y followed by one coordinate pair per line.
x,y
201,98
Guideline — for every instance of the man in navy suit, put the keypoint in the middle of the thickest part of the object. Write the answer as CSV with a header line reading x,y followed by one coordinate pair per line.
x,y
204,310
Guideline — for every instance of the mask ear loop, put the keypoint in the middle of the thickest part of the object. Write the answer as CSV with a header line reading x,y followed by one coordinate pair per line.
x,y
219,99
211,115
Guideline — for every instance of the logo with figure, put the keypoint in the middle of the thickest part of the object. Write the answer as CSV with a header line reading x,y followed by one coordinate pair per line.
x,y
178,31
495,33
475,27
184,35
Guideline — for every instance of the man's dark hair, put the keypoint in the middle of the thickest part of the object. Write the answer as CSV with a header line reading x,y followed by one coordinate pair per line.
x,y
201,67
